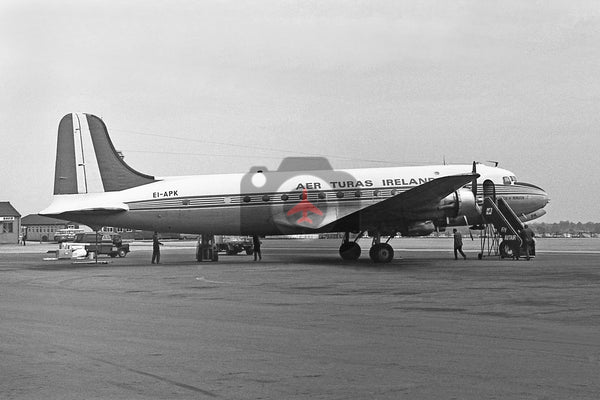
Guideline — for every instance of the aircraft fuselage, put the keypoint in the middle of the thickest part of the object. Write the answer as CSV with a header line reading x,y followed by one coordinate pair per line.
x,y
258,202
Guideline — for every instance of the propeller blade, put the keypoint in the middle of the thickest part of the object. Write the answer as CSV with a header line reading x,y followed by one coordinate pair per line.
x,y
474,182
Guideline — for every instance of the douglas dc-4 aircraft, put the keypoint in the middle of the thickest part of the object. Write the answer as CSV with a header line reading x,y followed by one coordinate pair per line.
x,y
93,185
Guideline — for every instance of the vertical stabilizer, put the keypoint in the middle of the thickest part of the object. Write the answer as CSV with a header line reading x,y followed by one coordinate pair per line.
x,y
116,174
86,160
65,171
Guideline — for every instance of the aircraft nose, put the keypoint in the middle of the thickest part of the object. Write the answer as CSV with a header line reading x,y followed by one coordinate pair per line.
x,y
543,198
540,196
546,199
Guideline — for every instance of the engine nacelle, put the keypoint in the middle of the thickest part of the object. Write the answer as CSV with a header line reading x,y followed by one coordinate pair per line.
x,y
461,203
531,216
419,228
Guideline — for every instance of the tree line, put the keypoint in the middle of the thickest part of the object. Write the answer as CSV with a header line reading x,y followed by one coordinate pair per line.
x,y
566,227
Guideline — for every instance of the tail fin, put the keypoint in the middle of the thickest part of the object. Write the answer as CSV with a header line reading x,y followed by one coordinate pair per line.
x,y
86,160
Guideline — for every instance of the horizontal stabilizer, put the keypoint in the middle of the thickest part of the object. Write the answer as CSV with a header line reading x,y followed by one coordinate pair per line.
x,y
83,204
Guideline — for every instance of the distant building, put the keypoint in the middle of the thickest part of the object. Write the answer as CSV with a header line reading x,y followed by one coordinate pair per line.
x,y
10,223
42,229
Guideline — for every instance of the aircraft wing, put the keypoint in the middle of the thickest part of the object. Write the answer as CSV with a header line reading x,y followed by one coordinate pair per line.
x,y
402,205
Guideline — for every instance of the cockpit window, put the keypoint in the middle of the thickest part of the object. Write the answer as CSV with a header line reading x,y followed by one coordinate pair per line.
x,y
509,180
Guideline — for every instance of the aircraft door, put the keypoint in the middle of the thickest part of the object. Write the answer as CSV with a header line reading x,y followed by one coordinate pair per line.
x,y
489,190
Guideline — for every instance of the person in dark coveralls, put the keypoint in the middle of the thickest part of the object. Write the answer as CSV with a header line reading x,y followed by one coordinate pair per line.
x,y
458,244
527,235
256,247
155,248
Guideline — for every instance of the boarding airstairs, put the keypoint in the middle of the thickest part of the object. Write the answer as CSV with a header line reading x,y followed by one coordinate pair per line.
x,y
500,236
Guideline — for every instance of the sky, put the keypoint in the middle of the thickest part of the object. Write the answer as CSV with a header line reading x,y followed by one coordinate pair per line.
x,y
194,87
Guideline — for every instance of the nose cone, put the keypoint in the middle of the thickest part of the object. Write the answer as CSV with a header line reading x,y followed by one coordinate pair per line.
x,y
542,198
546,199
536,197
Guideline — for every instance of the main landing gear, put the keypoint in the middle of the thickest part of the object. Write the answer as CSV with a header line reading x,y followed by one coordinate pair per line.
x,y
350,250
379,252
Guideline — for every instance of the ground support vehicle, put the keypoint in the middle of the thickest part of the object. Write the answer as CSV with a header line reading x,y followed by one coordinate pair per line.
x,y
233,245
102,243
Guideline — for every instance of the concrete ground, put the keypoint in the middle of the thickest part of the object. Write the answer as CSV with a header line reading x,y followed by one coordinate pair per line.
x,y
301,324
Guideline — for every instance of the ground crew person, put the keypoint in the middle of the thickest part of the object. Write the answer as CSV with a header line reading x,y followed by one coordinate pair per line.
x,y
256,247
155,248
458,243
527,235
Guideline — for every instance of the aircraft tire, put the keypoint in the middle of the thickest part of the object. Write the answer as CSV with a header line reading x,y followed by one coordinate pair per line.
x,y
506,250
350,251
381,253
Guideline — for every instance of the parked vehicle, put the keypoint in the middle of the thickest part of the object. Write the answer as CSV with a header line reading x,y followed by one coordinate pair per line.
x,y
66,235
102,243
234,244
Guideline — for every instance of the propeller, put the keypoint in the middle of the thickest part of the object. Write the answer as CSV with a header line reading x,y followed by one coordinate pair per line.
x,y
474,189
474,182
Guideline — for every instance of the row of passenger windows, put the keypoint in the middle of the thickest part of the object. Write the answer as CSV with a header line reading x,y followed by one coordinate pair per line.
x,y
321,195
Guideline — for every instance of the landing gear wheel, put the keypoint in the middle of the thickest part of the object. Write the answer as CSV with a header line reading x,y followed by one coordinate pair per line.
x,y
350,251
381,253
507,250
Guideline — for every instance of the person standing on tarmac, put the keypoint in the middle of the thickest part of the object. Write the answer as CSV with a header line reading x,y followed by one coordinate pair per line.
x,y
458,244
155,248
527,235
256,247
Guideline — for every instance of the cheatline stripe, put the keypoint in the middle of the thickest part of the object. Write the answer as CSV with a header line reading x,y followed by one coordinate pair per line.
x,y
272,198
237,205
275,198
